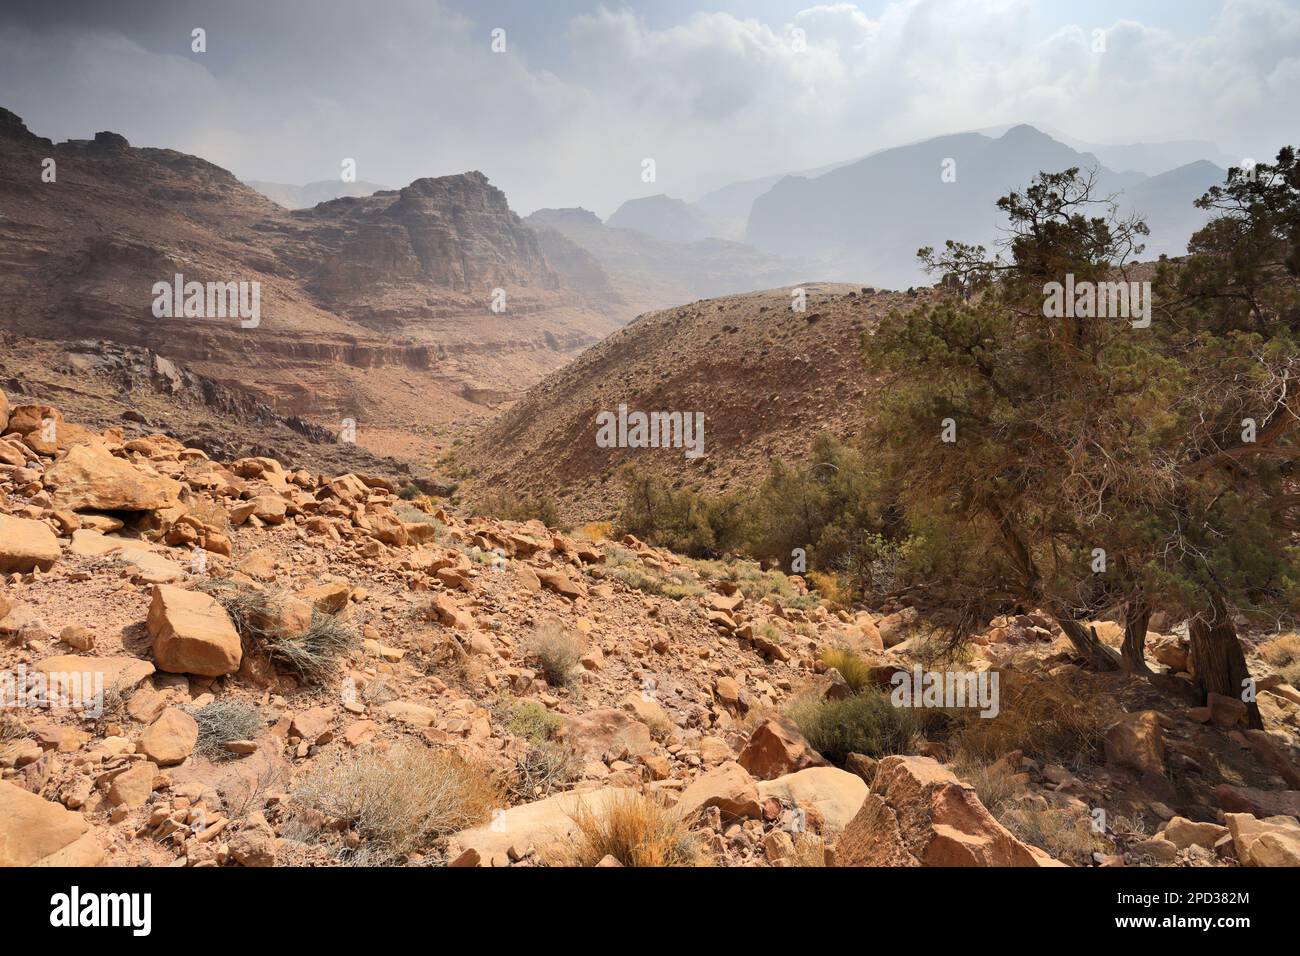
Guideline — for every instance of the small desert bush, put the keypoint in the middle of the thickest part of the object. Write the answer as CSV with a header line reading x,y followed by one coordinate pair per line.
x,y
595,531
1065,835
1284,654
1048,720
831,589
401,800
866,723
11,728
544,768
528,719
855,671
312,656
993,782
556,652
506,506
409,492
634,830
229,718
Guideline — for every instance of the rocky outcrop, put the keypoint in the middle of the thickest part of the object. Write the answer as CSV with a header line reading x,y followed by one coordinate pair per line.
x,y
920,814
90,477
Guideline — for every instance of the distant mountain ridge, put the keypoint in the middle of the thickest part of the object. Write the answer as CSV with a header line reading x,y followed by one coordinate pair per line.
x,y
652,273
865,221
378,308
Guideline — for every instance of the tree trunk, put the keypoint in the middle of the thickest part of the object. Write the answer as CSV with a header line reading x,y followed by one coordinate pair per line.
x,y
1086,643
1218,660
1133,657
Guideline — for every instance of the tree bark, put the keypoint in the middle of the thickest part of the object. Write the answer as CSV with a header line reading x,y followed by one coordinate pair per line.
x,y
1218,660
1085,641
1133,657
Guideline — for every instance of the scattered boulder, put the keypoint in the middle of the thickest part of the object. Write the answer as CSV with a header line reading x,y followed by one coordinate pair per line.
x,y
191,633
776,748
1273,841
37,832
1136,741
729,787
171,738
919,814
88,476
26,545
836,794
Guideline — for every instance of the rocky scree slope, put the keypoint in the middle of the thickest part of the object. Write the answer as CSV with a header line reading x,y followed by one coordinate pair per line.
x,y
199,589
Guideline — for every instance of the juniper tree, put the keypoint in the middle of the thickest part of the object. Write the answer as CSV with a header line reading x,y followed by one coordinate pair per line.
x,y
1093,463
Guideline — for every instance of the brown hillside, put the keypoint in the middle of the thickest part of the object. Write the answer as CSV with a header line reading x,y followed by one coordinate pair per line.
x,y
768,379
375,308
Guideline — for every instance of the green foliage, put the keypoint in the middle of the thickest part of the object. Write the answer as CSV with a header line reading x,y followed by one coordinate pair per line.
x,y
866,723
678,518
1080,433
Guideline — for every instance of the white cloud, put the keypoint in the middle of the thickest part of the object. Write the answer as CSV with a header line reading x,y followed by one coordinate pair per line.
x,y
416,91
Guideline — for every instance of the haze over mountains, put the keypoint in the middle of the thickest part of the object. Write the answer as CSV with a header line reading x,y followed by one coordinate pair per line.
x,y
378,308
374,304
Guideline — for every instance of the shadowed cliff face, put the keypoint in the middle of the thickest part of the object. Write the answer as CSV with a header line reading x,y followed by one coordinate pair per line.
x,y
355,293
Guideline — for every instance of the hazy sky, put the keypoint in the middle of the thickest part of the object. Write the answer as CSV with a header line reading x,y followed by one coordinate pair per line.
x,y
712,91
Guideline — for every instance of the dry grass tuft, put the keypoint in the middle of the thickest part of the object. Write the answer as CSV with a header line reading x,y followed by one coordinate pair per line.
x,y
401,800
230,718
855,671
634,830
1284,654
1049,720
556,651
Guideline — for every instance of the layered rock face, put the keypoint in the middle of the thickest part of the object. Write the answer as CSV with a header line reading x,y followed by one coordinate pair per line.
x,y
356,295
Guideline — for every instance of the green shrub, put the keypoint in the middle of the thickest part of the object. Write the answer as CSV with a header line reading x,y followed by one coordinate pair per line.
x,y
866,723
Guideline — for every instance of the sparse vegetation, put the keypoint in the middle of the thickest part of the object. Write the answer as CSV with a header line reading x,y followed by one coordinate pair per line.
x,y
1284,654
556,651
511,507
312,656
11,728
634,830
527,719
401,800
227,718
855,671
1064,834
1044,718
866,723
543,769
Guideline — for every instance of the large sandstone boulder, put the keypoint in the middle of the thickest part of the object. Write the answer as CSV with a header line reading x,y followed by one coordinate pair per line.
x,y
4,412
89,476
191,633
171,738
729,787
919,814
1260,803
836,794
37,832
607,733
776,748
26,545
539,825
1273,841
122,673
